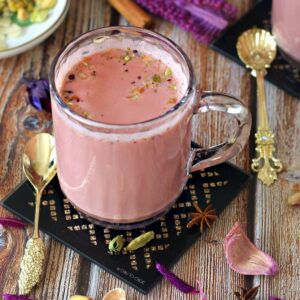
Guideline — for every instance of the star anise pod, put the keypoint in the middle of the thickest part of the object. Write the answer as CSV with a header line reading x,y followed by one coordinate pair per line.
x,y
202,217
247,294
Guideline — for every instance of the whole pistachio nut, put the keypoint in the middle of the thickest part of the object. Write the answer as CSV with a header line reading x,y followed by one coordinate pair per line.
x,y
115,294
79,297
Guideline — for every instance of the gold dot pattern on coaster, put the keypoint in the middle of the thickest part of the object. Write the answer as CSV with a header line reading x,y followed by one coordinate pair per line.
x,y
102,236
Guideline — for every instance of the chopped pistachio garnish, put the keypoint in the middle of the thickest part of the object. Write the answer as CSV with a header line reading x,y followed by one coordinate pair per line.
x,y
168,72
156,78
172,87
128,56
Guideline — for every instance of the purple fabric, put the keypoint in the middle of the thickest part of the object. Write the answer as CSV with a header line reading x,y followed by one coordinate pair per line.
x,y
274,298
205,19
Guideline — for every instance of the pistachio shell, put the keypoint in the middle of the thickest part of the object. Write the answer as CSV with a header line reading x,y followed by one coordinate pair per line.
x,y
115,294
79,297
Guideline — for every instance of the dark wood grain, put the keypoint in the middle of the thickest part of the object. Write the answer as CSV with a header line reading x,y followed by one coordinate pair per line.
x,y
272,225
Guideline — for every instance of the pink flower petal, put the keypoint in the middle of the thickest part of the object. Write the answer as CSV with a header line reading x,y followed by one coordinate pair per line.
x,y
244,257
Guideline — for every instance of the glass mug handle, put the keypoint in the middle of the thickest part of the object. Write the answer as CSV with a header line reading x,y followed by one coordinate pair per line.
x,y
212,101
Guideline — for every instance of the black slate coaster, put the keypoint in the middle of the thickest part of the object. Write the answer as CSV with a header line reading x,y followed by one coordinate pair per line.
x,y
281,73
217,186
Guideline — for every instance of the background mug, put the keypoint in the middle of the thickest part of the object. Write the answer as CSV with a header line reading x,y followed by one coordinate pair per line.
x,y
127,176
286,28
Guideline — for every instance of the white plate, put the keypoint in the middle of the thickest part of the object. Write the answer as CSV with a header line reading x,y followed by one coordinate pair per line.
x,y
34,34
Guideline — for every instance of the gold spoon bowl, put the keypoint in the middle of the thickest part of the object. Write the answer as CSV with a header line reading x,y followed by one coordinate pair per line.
x,y
256,48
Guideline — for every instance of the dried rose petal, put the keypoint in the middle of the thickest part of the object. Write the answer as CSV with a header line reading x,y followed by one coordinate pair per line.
x,y
12,222
176,281
14,297
244,257
38,94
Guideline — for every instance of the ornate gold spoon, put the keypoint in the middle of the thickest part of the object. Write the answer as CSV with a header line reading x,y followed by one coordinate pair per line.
x,y
257,49
39,166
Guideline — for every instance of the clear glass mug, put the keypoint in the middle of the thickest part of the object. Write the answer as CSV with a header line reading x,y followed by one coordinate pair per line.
x,y
127,176
286,29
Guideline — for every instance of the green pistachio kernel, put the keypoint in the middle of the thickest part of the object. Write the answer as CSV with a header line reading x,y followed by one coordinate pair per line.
x,y
168,72
116,244
173,87
156,78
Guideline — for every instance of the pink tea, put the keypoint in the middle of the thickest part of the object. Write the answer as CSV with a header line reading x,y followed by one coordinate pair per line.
x,y
119,86
144,171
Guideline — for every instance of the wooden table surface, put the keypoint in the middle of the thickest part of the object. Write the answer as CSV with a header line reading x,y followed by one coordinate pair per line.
x,y
269,222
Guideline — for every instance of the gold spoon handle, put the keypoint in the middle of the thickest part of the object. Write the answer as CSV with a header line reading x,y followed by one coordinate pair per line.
x,y
266,165
38,196
263,123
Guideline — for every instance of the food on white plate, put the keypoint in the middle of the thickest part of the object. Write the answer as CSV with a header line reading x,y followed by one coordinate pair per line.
x,y
17,14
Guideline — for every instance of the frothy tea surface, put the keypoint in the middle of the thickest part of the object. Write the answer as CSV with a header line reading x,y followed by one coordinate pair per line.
x,y
120,86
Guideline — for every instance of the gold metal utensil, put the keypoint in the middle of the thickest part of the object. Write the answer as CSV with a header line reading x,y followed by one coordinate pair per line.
x,y
257,49
39,166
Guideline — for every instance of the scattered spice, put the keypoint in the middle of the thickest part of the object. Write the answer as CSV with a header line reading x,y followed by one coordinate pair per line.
x,y
140,241
132,82
126,70
71,76
172,101
12,222
202,217
74,98
133,97
94,73
247,294
244,257
174,280
135,51
116,245
139,77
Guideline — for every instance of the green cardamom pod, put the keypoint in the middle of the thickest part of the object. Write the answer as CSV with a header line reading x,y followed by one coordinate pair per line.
x,y
116,244
140,241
